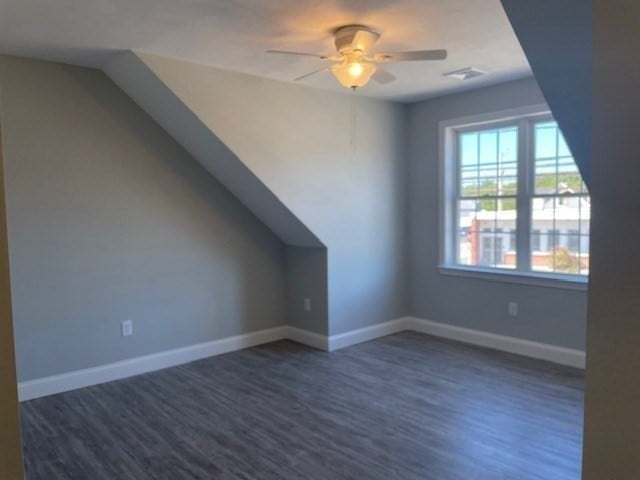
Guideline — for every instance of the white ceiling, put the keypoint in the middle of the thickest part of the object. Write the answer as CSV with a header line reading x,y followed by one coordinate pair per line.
x,y
233,35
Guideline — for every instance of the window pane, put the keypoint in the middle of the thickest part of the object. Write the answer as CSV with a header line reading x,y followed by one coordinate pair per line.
x,y
584,255
563,149
555,169
507,161
489,148
486,232
508,169
488,185
506,216
465,224
487,211
490,158
545,175
535,241
559,225
565,261
491,248
469,149
569,180
546,140
486,226
508,145
508,186
469,173
469,187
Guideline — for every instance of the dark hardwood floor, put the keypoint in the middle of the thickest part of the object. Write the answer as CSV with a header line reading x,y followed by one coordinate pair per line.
x,y
407,406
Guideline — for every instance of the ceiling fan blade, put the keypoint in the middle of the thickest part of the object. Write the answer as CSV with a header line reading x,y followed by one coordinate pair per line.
x,y
411,56
299,54
383,77
310,73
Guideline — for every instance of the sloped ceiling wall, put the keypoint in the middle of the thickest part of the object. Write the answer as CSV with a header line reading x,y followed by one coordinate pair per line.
x,y
557,38
334,161
142,84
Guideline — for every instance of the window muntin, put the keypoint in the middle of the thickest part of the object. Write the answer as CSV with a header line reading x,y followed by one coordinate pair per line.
x,y
519,201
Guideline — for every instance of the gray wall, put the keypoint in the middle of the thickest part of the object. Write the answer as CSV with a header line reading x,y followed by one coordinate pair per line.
x,y
307,278
10,443
557,37
550,315
612,417
109,219
298,142
142,84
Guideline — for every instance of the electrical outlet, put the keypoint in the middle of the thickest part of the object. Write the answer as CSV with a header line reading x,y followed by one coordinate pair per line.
x,y
513,309
127,328
307,304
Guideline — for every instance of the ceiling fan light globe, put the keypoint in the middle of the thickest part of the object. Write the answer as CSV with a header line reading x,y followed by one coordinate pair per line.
x,y
355,70
353,74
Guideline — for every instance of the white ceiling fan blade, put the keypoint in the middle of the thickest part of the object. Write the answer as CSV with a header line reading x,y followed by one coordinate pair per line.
x,y
411,56
310,73
299,54
383,77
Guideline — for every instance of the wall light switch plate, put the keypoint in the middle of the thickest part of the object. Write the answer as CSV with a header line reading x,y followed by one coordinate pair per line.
x,y
513,309
307,304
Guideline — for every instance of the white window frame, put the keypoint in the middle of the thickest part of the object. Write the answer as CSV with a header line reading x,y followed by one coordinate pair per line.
x,y
448,133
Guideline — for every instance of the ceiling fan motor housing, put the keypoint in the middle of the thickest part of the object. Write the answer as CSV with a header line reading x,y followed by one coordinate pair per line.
x,y
355,37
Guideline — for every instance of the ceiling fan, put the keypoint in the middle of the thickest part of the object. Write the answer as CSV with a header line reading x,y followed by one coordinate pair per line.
x,y
355,64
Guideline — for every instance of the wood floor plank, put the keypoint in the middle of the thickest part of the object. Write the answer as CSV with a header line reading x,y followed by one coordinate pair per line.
x,y
408,406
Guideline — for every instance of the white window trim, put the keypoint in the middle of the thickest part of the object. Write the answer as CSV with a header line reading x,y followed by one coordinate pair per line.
x,y
447,135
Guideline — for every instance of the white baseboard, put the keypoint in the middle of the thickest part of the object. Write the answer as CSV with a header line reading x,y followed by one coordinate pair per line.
x,y
365,334
543,351
135,366
305,337
87,377
342,340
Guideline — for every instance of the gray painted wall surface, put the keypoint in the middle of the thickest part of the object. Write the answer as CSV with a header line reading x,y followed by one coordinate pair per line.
x,y
109,219
557,39
307,278
297,141
612,417
10,442
548,315
131,74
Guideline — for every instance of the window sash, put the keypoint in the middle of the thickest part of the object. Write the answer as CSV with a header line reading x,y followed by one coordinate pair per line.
x,y
526,191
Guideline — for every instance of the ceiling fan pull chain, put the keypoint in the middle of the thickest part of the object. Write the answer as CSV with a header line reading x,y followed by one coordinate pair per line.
x,y
353,119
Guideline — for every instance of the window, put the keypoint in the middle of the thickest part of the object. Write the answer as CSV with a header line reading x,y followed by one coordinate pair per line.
x,y
559,203
535,241
512,240
514,200
573,240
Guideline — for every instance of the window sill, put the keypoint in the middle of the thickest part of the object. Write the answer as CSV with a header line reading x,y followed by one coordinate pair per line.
x,y
568,282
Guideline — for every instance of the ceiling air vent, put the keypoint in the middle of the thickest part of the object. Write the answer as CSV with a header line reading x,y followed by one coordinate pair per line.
x,y
465,73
